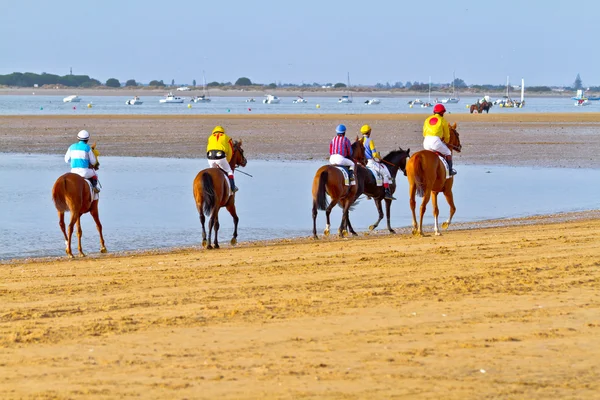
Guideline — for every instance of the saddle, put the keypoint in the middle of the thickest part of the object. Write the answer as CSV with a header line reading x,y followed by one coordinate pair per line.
x,y
345,172
445,163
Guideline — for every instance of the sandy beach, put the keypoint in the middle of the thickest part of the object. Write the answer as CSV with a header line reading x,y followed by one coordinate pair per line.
x,y
510,310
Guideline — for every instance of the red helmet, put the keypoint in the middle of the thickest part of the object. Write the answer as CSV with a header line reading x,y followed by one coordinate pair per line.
x,y
439,109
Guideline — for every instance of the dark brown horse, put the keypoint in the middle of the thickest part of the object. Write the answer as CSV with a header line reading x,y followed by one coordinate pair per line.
x,y
72,193
212,192
481,107
395,161
426,175
329,180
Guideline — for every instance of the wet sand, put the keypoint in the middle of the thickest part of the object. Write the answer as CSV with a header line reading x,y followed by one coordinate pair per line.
x,y
506,312
549,140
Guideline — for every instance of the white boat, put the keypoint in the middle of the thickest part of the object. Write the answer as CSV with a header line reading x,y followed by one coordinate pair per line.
x,y
250,100
372,102
415,102
134,102
454,98
507,102
300,100
204,98
270,99
72,99
170,98
346,99
582,102
183,89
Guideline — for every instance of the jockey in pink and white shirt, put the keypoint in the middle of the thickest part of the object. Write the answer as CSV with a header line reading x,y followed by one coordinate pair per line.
x,y
340,150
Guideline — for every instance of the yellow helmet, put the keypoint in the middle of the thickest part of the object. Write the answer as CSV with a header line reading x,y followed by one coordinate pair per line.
x,y
365,130
218,128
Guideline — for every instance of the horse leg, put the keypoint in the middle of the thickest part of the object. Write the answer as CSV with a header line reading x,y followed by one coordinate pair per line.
x,y
388,207
202,221
426,197
79,234
450,199
345,216
211,223
314,217
412,192
216,225
436,213
96,216
231,209
74,218
379,211
349,225
327,212
61,223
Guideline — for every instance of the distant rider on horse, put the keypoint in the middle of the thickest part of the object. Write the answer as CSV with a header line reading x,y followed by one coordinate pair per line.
x,y
219,152
437,133
374,161
83,160
340,151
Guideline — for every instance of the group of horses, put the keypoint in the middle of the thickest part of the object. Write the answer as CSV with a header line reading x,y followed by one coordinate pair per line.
x,y
425,172
481,107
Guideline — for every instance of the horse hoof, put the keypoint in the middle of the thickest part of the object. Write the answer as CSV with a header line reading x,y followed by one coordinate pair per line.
x,y
326,232
233,241
81,255
354,233
371,227
209,247
217,246
445,225
392,231
438,234
315,237
103,250
204,244
343,234
70,255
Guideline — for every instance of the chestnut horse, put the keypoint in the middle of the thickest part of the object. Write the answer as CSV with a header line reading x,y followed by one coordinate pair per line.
x,y
72,193
329,180
426,175
212,192
395,161
481,107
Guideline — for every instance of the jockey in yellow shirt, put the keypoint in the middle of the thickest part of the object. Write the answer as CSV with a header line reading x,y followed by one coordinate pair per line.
x,y
374,161
219,152
436,132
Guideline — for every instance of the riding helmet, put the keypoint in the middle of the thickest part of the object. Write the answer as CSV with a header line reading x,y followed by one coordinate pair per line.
x,y
439,109
218,128
365,130
83,135
340,129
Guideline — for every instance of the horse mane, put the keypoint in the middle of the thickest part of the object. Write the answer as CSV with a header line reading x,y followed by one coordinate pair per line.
x,y
394,153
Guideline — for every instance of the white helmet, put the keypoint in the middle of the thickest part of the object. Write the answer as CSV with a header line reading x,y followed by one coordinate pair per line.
x,y
83,135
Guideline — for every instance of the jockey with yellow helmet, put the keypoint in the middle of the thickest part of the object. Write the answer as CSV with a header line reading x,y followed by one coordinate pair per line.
x,y
83,159
374,161
219,152
437,133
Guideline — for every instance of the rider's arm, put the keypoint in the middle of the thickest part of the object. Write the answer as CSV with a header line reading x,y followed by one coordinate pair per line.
x,y
446,131
93,160
374,151
68,156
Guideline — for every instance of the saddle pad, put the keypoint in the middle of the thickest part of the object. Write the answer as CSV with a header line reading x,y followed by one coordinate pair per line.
x,y
377,176
94,195
345,174
443,160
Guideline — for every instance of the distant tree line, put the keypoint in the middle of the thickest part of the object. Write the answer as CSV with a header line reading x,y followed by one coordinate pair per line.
x,y
30,79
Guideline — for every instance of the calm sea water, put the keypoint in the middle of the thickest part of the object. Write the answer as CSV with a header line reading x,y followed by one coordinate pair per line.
x,y
148,202
53,105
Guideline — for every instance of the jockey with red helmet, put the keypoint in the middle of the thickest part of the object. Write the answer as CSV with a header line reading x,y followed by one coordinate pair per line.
x,y
437,133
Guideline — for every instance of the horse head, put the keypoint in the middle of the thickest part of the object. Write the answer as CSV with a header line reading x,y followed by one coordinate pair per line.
x,y
454,142
397,159
238,157
97,154
358,151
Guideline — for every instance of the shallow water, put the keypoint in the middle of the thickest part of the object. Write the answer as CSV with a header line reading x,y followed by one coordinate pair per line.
x,y
53,105
148,202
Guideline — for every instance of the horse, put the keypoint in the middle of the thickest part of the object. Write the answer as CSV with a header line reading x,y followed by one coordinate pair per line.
x,y
212,192
329,180
395,160
481,107
426,175
72,193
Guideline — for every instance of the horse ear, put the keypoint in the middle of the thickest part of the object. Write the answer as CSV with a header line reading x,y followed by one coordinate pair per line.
x,y
93,145
240,142
408,151
454,126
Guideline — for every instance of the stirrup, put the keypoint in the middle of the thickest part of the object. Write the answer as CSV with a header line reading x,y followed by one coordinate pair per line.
x,y
96,190
453,172
234,189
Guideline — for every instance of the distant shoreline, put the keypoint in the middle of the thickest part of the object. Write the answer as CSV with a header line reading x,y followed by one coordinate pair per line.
x,y
254,92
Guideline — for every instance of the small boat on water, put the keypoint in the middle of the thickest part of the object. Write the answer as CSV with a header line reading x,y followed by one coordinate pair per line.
x,y
453,99
372,102
250,100
271,99
171,98
583,102
134,102
72,99
415,102
345,99
300,100
200,99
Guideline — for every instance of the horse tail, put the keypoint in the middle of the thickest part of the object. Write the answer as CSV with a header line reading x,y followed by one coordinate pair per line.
x,y
208,194
322,202
59,192
419,175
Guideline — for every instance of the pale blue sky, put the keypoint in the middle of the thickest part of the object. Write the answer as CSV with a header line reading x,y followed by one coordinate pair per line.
x,y
545,42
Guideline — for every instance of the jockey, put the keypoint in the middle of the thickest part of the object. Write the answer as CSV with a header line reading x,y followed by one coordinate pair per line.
x,y
83,160
437,133
374,161
219,152
340,150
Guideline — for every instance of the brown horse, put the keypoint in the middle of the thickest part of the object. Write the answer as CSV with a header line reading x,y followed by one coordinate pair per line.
x,y
395,161
427,175
329,180
212,192
481,107
72,193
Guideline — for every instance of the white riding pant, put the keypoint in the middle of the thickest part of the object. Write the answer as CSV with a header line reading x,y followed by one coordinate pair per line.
x,y
434,143
380,169
84,172
338,159
222,162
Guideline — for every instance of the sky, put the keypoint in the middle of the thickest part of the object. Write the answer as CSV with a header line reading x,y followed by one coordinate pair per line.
x,y
305,41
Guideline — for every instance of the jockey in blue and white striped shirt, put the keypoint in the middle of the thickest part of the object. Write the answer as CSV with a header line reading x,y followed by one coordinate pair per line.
x,y
82,159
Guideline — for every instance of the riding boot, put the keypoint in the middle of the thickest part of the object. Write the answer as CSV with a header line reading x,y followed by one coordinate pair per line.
x,y
351,175
449,160
388,194
94,182
232,183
